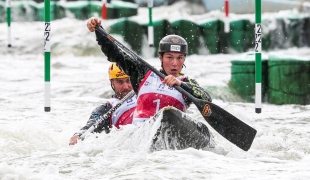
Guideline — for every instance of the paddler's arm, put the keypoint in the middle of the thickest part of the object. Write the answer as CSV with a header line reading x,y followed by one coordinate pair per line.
x,y
189,85
129,65
192,87
135,70
95,116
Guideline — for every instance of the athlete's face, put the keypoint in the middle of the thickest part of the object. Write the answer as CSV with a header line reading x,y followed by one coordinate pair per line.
x,y
172,62
121,86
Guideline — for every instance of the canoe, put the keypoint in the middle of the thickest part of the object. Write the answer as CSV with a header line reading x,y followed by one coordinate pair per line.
x,y
177,131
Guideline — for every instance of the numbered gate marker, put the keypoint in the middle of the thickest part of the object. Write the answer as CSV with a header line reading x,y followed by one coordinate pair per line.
x,y
258,57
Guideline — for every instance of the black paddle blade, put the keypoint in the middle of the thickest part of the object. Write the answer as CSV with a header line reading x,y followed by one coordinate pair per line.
x,y
230,127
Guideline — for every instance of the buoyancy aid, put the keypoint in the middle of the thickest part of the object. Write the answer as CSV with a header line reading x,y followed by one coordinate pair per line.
x,y
123,115
154,95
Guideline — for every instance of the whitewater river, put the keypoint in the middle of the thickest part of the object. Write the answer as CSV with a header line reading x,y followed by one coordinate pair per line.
x,y
34,143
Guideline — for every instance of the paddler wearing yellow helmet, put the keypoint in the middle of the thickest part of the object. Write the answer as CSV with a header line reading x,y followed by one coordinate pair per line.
x,y
120,81
121,85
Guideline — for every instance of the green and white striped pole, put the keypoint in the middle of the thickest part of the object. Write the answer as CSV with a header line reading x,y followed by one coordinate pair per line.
x,y
8,19
258,56
47,56
150,25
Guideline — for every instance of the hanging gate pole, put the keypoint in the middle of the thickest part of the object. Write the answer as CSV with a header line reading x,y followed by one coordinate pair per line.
x,y
226,25
47,56
258,57
8,19
150,25
104,9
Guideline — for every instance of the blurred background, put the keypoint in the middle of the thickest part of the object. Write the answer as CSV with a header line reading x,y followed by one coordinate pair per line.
x,y
285,25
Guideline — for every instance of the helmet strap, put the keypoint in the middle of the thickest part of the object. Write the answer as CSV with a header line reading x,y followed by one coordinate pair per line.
x,y
112,85
162,66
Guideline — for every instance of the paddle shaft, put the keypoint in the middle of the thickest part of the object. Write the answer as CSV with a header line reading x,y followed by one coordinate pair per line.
x,y
106,116
134,55
230,127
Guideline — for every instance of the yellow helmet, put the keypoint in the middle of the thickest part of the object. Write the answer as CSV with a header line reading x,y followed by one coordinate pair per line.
x,y
115,72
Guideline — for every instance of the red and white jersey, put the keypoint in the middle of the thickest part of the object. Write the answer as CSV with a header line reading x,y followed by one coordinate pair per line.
x,y
123,115
154,95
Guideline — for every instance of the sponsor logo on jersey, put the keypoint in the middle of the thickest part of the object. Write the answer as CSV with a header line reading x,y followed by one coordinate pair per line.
x,y
153,74
206,110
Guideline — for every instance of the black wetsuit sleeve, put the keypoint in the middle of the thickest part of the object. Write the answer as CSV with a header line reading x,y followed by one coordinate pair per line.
x,y
94,117
137,71
131,66
192,87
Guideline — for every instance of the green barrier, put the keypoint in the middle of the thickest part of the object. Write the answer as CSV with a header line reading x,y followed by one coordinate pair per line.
x,y
76,9
293,30
125,9
243,76
57,12
213,48
306,31
33,7
289,80
131,31
277,35
223,36
23,11
212,31
266,37
95,9
296,29
115,9
17,11
236,35
249,35
236,40
190,31
112,12
240,36
162,28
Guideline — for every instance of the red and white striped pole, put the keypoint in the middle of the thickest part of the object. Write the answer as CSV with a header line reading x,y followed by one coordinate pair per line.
x,y
226,25
104,9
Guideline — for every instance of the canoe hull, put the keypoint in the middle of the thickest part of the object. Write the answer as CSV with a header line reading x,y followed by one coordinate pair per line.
x,y
179,131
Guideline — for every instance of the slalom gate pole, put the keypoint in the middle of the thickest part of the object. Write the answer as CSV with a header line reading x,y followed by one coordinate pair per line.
x,y
104,9
258,56
226,26
47,56
8,19
150,25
